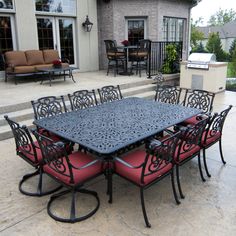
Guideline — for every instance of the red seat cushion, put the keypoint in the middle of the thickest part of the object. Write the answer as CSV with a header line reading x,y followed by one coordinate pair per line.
x,y
135,159
212,137
187,150
27,151
77,159
52,136
192,121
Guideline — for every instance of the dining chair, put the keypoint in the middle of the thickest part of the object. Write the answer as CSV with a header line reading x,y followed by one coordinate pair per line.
x,y
72,171
200,99
190,147
168,94
116,58
48,106
29,151
139,56
213,134
82,99
144,168
110,93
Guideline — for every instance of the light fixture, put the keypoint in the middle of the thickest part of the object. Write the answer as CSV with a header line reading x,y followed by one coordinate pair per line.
x,y
87,24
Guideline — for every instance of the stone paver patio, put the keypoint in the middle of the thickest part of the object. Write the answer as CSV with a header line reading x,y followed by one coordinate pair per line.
x,y
208,209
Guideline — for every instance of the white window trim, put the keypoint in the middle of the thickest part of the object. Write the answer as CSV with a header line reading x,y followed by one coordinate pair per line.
x,y
136,18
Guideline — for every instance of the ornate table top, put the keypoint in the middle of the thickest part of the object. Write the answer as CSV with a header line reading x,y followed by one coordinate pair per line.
x,y
111,126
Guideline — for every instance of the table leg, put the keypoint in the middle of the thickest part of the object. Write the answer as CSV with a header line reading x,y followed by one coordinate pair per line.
x,y
71,76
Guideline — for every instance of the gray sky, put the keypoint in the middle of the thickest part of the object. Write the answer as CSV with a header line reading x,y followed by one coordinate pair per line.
x,y
206,8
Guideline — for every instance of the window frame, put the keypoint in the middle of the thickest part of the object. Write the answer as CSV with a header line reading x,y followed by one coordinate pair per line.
x,y
8,10
127,19
170,38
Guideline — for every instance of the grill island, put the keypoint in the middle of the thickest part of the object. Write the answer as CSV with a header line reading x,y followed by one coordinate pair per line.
x,y
201,71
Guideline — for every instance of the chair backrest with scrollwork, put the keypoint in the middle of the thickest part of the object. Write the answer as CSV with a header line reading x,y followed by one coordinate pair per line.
x,y
191,137
216,124
25,147
110,93
55,156
159,155
48,106
200,99
168,94
82,99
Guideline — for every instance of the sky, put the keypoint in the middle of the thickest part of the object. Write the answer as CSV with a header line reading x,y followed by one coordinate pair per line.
x,y
206,8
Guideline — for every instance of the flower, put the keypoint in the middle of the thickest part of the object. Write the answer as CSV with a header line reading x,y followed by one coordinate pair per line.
x,y
125,42
56,62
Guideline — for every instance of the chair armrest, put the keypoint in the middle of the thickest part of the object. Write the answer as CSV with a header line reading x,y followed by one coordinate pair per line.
x,y
127,164
86,165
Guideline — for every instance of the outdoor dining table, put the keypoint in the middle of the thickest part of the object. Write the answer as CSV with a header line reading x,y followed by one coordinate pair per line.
x,y
110,127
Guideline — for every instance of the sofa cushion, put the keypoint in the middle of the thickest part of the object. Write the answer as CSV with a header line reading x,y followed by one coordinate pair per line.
x,y
42,66
24,69
16,58
50,55
34,57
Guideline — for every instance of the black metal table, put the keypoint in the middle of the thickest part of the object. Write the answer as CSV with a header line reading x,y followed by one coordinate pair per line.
x,y
53,70
109,127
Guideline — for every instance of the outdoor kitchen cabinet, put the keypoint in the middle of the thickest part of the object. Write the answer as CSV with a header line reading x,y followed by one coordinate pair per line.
x,y
210,77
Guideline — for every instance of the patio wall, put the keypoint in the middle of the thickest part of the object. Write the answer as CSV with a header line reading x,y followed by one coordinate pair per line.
x,y
112,20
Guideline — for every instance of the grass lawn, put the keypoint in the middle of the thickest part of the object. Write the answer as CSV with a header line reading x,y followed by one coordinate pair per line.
x,y
231,71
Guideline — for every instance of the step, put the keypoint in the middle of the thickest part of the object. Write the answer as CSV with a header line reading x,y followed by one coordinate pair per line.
x,y
139,90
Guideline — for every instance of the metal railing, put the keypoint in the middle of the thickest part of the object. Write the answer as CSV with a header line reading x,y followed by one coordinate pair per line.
x,y
157,56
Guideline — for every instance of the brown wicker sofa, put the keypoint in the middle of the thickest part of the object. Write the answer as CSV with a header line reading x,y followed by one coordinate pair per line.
x,y
29,62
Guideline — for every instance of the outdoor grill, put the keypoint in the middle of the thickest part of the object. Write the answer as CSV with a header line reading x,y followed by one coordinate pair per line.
x,y
202,71
201,60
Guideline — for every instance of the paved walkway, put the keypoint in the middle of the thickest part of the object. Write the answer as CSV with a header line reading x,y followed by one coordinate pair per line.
x,y
208,209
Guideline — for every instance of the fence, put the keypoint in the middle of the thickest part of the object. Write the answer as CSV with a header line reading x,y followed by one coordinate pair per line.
x,y
158,55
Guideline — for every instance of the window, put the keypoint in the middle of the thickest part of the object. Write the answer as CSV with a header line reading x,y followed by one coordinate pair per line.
x,y
6,40
136,30
6,4
59,6
173,29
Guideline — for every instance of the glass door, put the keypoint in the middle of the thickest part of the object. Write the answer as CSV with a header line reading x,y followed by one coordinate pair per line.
x,y
57,33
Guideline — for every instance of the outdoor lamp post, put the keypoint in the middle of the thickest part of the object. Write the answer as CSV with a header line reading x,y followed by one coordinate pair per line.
x,y
87,25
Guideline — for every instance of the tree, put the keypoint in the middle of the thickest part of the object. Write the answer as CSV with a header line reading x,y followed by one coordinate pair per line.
x,y
199,48
196,35
222,17
232,47
214,46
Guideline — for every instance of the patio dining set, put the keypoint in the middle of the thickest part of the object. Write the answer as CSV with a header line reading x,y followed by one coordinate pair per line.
x,y
140,140
120,56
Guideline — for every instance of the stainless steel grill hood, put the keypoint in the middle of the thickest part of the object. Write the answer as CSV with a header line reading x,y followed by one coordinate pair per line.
x,y
200,60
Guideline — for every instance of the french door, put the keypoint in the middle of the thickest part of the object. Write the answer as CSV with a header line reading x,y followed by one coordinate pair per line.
x,y
58,33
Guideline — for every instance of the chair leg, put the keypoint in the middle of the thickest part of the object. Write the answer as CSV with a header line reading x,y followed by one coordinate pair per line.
x,y
200,168
144,209
39,192
178,183
205,163
221,152
173,188
73,218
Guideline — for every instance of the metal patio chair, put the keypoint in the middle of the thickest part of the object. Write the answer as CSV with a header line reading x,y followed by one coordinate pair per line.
x,y
29,151
200,99
72,171
189,147
213,134
146,167
110,93
168,94
116,58
82,99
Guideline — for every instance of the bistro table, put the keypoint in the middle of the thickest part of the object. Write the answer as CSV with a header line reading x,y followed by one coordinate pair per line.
x,y
126,48
107,128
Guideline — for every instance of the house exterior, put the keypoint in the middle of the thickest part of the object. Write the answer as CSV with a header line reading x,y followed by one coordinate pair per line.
x,y
227,34
43,24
